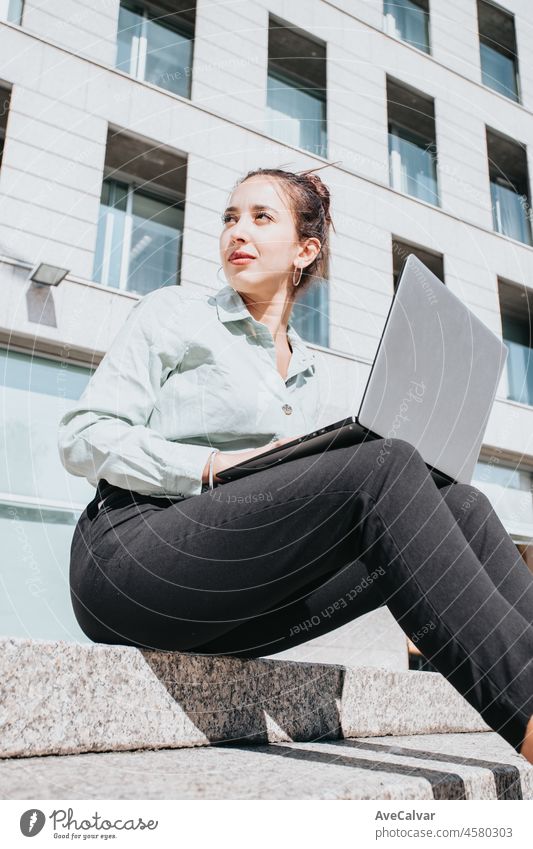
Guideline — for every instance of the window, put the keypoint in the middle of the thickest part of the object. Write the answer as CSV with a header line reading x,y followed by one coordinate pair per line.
x,y
11,10
401,250
296,88
409,21
516,305
497,46
509,187
412,142
140,228
510,490
40,502
310,314
155,43
5,98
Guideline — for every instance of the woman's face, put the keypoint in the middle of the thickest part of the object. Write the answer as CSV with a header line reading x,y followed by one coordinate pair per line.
x,y
259,222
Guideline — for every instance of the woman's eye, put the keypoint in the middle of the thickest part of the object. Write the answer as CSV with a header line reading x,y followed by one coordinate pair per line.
x,y
228,216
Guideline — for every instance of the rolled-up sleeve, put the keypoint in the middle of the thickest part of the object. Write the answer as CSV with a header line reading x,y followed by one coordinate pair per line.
x,y
106,434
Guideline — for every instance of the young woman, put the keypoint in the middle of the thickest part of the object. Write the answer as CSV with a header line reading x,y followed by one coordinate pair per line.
x,y
167,557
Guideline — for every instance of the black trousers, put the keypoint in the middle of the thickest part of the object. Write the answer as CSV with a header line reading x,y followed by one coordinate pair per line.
x,y
268,562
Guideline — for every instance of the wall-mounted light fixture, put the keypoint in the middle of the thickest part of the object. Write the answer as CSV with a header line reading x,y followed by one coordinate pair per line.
x,y
47,275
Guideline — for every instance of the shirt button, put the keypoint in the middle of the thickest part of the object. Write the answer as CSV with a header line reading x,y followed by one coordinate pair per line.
x,y
287,409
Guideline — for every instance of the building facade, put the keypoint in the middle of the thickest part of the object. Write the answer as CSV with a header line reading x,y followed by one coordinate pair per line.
x,y
124,125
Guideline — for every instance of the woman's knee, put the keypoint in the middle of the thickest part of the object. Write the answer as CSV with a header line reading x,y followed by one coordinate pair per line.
x,y
466,499
401,453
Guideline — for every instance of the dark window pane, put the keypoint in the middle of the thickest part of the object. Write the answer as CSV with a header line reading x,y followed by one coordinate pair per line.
x,y
168,58
296,115
498,71
14,11
310,314
128,38
408,21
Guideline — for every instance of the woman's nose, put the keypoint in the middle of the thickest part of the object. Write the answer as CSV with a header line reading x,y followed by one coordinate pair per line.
x,y
239,237
240,231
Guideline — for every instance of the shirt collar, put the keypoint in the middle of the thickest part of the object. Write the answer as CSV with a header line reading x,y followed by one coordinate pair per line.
x,y
231,307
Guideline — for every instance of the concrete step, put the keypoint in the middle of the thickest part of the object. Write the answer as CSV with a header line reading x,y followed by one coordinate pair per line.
x,y
373,639
434,766
66,698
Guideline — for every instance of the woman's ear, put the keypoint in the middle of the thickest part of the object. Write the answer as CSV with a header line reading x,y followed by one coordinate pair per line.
x,y
309,250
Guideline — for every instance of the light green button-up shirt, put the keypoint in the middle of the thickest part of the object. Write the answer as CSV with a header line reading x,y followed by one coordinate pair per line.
x,y
186,373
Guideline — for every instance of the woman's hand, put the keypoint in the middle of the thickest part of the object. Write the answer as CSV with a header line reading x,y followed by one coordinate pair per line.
x,y
224,460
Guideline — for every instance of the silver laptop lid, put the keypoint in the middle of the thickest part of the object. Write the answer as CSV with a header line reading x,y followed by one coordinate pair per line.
x,y
435,374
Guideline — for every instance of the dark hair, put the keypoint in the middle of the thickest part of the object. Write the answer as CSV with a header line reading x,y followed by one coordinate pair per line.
x,y
309,201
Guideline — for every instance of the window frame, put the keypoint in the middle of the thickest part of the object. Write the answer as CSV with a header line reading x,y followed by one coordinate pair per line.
x,y
289,80
507,52
314,83
402,132
5,11
148,11
515,177
403,100
426,255
5,106
427,11
513,312
133,186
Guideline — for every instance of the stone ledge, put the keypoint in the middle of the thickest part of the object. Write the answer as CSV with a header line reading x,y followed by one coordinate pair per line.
x,y
68,698
431,766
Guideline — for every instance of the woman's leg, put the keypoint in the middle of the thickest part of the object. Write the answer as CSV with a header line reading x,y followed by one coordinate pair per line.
x,y
318,610
328,606
197,570
501,559
492,545
313,611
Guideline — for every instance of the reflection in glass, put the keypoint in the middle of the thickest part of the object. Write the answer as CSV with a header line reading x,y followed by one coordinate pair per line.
x,y
35,392
128,39
35,601
155,244
510,211
138,244
310,314
40,501
498,71
412,162
14,11
510,491
516,335
408,21
296,115
168,58
153,50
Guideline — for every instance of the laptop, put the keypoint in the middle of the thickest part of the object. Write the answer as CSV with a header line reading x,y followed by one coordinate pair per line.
x,y
432,383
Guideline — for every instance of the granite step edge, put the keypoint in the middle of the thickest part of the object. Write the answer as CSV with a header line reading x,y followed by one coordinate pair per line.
x,y
424,767
67,698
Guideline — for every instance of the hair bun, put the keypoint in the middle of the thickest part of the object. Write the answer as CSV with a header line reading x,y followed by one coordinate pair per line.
x,y
322,191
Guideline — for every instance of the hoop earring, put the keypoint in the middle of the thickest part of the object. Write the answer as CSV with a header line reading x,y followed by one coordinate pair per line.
x,y
299,278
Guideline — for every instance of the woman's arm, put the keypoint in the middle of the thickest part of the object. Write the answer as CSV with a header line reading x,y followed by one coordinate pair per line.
x,y
224,460
106,435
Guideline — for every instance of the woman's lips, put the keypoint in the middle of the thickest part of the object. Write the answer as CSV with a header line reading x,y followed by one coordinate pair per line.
x,y
242,260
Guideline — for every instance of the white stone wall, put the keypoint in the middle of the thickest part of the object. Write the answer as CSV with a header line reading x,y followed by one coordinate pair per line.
x,y
66,93
86,28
